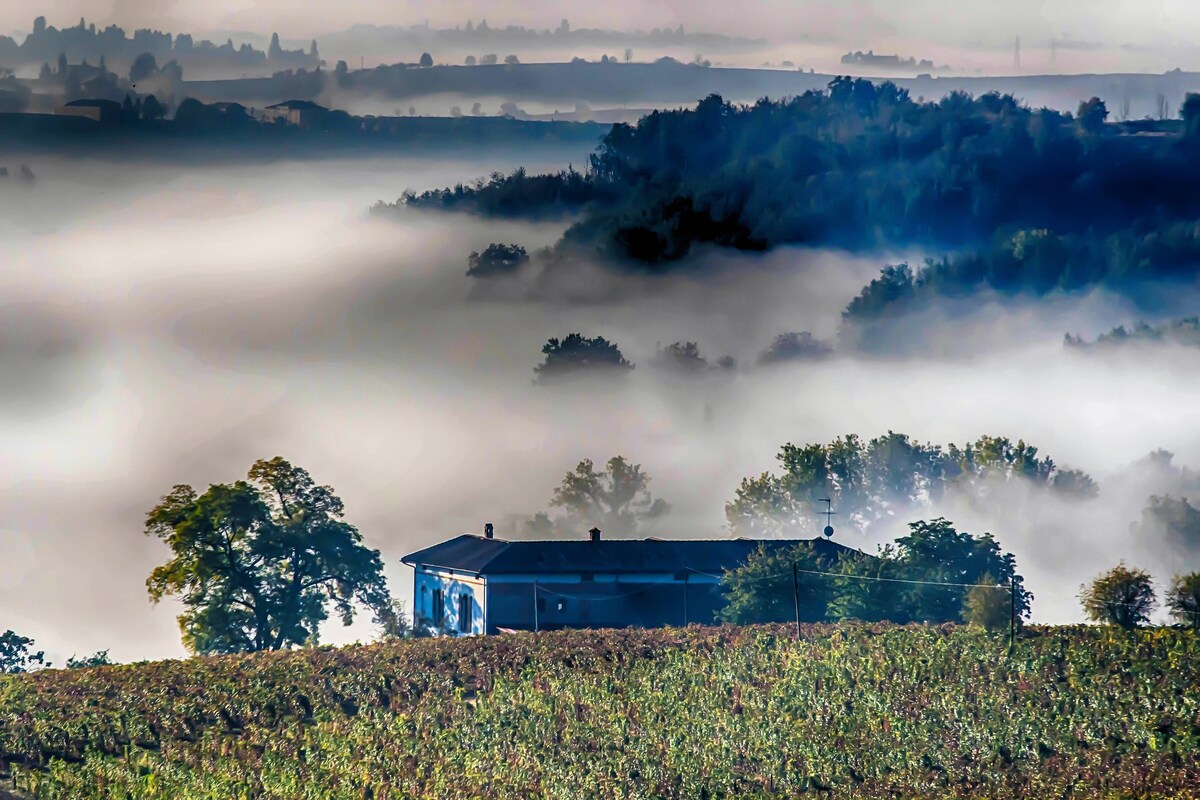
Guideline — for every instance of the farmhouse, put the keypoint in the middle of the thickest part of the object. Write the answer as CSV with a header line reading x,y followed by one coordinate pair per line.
x,y
480,584
302,113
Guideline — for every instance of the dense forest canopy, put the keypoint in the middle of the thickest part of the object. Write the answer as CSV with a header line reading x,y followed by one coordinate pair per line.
x,y
1029,199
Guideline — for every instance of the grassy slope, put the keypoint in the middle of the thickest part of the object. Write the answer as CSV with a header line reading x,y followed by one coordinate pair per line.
x,y
719,712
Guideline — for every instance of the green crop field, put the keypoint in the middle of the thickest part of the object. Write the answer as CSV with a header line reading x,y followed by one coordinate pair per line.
x,y
846,711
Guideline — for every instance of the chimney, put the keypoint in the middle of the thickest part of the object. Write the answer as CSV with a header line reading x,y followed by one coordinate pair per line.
x,y
488,531
594,533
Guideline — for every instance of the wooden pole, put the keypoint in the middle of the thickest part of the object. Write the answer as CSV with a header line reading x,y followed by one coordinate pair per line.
x,y
1012,616
796,596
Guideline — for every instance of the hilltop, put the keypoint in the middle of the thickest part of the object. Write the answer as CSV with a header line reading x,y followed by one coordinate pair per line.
x,y
845,711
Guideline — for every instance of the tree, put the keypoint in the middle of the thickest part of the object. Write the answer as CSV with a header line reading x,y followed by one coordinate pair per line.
x,y
616,500
794,346
1170,521
869,481
46,73
1092,114
257,563
1190,111
1183,599
496,259
578,354
1122,596
152,109
488,59
426,60
274,51
17,654
98,659
763,589
394,621
511,59
988,605
470,61
682,357
340,71
934,552
144,65
628,55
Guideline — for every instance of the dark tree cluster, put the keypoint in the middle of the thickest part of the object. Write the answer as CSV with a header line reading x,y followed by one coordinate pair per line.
x,y
871,480
1184,331
518,194
795,346
685,358
579,355
1039,199
496,259
934,574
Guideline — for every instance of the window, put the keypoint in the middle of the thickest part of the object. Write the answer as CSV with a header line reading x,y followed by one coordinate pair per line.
x,y
466,608
562,605
541,604
439,607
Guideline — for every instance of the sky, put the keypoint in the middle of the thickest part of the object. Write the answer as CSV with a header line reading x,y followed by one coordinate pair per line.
x,y
927,28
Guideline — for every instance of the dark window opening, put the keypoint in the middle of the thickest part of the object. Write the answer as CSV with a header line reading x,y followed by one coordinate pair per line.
x,y
439,607
466,607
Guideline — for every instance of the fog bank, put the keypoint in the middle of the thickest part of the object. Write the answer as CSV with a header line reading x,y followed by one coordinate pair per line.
x,y
167,326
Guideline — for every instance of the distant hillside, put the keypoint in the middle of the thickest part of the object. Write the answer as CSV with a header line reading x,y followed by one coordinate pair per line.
x,y
846,712
668,83
248,139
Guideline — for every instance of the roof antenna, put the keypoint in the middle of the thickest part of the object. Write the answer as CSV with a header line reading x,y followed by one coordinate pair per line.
x,y
828,512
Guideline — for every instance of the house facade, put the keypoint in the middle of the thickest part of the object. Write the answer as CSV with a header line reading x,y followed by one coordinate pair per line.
x,y
472,585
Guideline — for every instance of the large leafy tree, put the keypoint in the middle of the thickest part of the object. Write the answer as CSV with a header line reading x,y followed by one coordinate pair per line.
x,y
935,552
17,654
1123,596
616,499
888,475
764,589
259,563
926,576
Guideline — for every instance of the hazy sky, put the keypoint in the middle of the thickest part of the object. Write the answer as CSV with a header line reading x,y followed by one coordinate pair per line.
x,y
937,22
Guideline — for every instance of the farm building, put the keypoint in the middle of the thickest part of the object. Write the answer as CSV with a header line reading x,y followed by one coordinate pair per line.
x,y
481,584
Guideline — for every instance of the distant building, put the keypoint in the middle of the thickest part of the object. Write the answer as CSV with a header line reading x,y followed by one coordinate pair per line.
x,y
480,584
95,110
302,113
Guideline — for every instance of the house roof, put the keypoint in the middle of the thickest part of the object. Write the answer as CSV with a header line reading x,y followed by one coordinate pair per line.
x,y
109,105
472,553
299,105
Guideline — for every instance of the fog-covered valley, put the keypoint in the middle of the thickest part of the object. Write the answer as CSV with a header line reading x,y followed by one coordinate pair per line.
x,y
165,325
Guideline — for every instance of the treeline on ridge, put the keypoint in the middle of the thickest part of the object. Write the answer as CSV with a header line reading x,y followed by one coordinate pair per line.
x,y
1037,199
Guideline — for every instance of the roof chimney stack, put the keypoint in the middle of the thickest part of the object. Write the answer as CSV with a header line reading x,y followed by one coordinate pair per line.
x,y
594,533
488,531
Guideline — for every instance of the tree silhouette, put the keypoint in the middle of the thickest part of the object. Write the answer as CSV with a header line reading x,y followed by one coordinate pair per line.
x,y
578,355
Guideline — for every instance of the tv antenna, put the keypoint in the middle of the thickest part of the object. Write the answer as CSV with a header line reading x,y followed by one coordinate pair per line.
x,y
828,512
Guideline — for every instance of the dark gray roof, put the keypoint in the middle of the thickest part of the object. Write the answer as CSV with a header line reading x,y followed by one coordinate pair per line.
x,y
299,105
472,553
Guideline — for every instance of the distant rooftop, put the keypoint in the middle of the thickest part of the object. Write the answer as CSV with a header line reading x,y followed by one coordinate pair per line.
x,y
481,555
299,105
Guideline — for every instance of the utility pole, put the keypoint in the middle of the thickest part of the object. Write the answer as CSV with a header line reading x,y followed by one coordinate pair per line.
x,y
796,596
535,614
1012,617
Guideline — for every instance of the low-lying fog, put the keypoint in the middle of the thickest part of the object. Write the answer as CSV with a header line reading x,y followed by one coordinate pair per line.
x,y
165,325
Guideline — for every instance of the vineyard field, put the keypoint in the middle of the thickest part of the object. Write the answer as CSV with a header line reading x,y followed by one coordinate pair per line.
x,y
845,711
